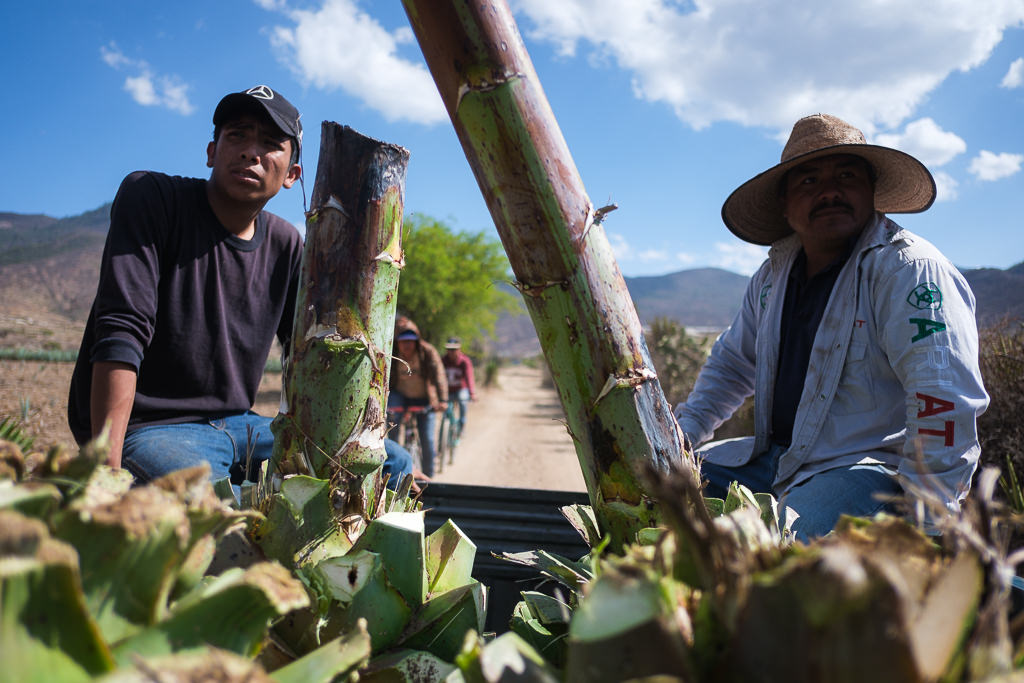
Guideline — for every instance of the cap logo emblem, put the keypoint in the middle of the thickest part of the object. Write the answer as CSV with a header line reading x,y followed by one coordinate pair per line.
x,y
261,91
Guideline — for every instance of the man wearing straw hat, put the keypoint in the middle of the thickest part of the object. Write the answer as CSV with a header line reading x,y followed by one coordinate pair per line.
x,y
856,338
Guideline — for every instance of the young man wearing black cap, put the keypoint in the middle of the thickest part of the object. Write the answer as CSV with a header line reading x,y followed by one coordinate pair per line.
x,y
195,281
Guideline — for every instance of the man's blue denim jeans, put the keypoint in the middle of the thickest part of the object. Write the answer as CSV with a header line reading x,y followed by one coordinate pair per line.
x,y
155,450
818,501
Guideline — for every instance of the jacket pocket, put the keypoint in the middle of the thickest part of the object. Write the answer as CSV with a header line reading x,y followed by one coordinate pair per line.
x,y
855,391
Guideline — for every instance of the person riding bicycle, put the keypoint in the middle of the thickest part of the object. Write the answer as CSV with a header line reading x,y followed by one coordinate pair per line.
x,y
418,379
459,369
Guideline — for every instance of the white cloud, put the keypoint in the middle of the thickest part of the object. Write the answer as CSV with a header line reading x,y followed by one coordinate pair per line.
x,y
271,4
739,257
990,166
945,187
1014,77
145,87
769,62
339,46
925,140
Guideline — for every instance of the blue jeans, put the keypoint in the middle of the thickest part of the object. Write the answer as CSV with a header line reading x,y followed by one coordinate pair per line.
x,y
461,397
426,427
817,502
155,450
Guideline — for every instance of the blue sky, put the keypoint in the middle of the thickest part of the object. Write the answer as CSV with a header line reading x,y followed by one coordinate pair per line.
x,y
667,105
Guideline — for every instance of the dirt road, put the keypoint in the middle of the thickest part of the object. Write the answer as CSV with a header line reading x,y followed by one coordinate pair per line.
x,y
515,437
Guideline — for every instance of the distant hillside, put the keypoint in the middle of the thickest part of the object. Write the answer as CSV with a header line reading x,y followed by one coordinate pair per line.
x,y
26,238
49,266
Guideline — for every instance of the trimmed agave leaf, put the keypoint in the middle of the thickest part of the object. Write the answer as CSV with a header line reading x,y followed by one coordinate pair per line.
x,y
715,506
398,537
342,577
232,611
33,499
129,552
651,535
222,489
441,624
573,575
406,665
548,610
625,627
202,664
46,631
384,608
548,640
450,556
506,658
335,660
941,623
300,520
584,521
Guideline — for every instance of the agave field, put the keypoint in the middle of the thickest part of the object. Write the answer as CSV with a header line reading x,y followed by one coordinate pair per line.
x,y
319,571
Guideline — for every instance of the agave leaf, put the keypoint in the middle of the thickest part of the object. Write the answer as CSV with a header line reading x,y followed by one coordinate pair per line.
x,y
584,521
340,578
202,664
301,520
574,575
450,556
942,621
441,624
398,537
335,660
46,631
548,610
506,658
625,627
384,608
231,612
406,665
547,639
129,552
33,499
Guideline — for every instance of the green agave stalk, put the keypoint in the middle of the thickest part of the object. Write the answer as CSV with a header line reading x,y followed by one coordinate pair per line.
x,y
587,325
332,423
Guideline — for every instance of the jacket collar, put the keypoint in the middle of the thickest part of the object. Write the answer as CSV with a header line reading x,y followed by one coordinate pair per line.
x,y
879,232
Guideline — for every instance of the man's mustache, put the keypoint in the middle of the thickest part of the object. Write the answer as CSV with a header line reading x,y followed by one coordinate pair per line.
x,y
835,204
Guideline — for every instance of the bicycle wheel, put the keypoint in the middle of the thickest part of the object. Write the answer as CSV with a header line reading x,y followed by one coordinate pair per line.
x,y
443,438
451,433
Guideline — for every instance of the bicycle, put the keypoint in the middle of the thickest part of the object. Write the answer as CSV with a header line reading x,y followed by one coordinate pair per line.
x,y
448,437
408,435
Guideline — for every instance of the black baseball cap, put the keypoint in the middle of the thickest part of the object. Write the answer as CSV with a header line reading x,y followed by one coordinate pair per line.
x,y
284,115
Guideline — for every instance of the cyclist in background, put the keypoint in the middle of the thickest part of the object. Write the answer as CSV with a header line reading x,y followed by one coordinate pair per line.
x,y
459,369
417,379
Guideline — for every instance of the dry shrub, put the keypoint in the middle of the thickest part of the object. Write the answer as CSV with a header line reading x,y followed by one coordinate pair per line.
x,y
678,358
1001,427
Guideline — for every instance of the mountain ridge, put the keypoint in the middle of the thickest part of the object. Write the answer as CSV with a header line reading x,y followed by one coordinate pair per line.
x,y
50,266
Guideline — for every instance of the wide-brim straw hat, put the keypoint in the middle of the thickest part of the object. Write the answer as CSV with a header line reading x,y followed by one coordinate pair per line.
x,y
753,212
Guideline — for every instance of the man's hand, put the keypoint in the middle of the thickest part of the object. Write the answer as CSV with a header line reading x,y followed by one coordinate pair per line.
x,y
111,400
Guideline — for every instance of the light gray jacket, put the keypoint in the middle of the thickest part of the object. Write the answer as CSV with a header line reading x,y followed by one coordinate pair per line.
x,y
893,375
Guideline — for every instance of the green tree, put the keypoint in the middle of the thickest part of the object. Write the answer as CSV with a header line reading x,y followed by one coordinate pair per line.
x,y
451,284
